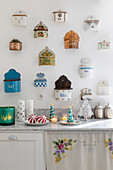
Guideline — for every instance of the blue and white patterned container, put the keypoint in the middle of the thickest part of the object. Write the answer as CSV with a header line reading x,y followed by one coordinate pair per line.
x,y
41,81
12,82
86,69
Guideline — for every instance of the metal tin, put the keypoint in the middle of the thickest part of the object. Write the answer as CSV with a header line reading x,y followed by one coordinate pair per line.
x,y
99,112
15,45
109,111
40,81
12,82
7,115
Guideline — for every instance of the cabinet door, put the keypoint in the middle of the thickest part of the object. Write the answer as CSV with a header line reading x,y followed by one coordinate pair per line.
x,y
21,151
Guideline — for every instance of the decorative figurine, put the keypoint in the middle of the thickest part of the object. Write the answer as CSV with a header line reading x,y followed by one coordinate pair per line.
x,y
15,45
19,18
91,24
51,111
104,45
85,110
71,40
103,88
12,82
41,81
41,31
86,69
70,119
63,90
60,16
86,94
47,57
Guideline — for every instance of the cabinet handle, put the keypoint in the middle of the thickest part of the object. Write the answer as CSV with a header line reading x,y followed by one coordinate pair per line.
x,y
12,137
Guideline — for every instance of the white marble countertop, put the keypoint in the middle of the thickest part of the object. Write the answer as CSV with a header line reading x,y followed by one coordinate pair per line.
x,y
90,125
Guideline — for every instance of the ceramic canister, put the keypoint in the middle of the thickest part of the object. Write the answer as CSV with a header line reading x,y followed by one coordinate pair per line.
x,y
86,71
99,111
21,110
108,111
29,107
7,115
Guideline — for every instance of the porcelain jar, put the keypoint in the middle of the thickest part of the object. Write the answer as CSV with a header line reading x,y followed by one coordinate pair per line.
x,y
99,112
60,16
86,69
63,95
108,111
41,31
19,18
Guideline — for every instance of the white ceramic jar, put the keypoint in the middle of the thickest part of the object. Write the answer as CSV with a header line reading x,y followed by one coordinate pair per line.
x,y
109,111
99,112
63,95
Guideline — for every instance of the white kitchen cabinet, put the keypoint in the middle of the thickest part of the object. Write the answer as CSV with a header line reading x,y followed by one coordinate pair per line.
x,y
21,151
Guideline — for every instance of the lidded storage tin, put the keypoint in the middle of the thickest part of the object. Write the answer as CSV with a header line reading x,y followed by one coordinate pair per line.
x,y
15,45
71,40
109,111
41,81
60,16
12,82
7,115
99,112
41,30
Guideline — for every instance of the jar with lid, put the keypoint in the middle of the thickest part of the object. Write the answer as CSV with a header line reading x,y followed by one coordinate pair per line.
x,y
99,111
108,111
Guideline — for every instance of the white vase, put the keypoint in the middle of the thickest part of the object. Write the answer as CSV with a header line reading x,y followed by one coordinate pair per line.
x,y
21,110
29,107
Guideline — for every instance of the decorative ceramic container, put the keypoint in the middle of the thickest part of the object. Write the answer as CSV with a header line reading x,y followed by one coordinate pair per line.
x,y
109,111
104,45
91,24
71,40
86,69
47,57
12,82
63,90
29,108
60,16
86,94
99,112
41,81
41,31
15,45
7,115
21,110
103,88
19,18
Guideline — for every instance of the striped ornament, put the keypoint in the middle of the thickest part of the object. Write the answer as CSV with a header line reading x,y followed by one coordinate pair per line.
x,y
42,119
32,118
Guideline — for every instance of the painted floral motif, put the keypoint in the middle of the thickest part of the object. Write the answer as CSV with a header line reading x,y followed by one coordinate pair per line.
x,y
60,148
109,145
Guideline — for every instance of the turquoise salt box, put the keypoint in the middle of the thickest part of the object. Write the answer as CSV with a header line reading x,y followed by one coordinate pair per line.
x,y
12,82
41,81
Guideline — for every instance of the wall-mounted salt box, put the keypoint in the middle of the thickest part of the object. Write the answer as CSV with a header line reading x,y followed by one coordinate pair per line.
x,y
91,24
40,81
20,18
60,16
47,57
86,94
12,81
104,45
41,31
63,90
71,40
86,69
103,88
15,45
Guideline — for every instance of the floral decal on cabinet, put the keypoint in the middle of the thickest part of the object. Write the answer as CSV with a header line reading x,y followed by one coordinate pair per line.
x,y
109,145
60,148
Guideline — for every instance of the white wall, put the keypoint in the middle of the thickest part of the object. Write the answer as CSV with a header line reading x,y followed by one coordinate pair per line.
x,y
67,61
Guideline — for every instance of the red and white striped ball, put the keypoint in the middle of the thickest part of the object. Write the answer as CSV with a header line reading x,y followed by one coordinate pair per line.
x,y
32,118
42,119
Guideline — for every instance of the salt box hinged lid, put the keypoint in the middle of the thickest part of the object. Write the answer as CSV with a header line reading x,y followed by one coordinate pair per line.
x,y
41,30
40,81
71,40
20,18
47,57
63,83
